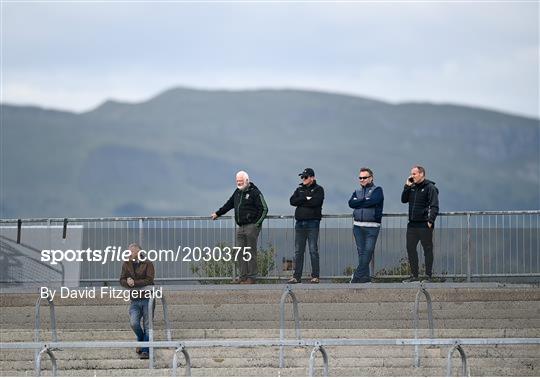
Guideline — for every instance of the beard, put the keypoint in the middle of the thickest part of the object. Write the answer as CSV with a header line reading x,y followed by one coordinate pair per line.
x,y
242,187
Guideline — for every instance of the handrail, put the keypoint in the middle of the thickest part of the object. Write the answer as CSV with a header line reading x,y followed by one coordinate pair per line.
x,y
37,324
184,351
464,367
196,217
240,343
47,350
318,348
422,290
151,326
287,292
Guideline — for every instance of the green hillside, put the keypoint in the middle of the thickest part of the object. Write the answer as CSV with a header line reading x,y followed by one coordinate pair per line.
x,y
177,153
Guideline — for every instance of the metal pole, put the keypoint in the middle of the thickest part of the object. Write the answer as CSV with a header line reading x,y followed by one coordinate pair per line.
x,y
141,232
150,331
53,318
53,361
416,320
311,371
464,366
282,325
37,324
469,249
166,318
287,292
175,361
37,330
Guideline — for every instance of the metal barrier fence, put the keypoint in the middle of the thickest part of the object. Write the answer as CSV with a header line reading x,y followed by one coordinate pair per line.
x,y
468,245
318,345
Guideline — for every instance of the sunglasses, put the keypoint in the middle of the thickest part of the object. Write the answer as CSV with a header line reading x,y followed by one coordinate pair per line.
x,y
363,177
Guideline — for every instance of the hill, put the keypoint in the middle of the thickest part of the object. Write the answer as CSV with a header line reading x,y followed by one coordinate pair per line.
x,y
177,153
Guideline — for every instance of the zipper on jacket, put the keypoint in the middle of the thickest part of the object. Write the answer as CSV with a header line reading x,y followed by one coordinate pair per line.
x,y
237,213
414,203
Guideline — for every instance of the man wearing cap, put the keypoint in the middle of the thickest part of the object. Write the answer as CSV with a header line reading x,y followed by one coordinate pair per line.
x,y
249,212
308,199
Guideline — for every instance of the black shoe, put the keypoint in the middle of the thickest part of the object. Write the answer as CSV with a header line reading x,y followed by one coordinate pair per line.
x,y
428,279
143,356
411,279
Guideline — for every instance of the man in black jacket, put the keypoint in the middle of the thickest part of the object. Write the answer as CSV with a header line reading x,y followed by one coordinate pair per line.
x,y
308,199
423,198
249,212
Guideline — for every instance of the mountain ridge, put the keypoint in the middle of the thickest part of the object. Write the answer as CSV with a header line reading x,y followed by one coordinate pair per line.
x,y
151,156
186,90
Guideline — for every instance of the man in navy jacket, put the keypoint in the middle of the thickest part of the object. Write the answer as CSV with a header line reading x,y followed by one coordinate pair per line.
x,y
367,202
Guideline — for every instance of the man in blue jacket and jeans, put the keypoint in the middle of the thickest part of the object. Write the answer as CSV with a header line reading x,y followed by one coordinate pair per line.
x,y
367,202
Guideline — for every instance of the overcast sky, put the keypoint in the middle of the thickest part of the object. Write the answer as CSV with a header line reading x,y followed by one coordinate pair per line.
x,y
75,56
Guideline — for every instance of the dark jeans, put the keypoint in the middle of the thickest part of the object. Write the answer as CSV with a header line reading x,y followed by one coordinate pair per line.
x,y
246,236
139,310
420,232
366,238
306,230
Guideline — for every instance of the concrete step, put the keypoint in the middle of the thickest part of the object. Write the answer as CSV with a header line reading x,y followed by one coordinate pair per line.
x,y
346,311
511,322
331,293
503,351
308,311
221,333
288,372
272,362
159,326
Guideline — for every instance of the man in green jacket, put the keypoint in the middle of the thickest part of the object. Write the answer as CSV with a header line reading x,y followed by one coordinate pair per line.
x,y
249,212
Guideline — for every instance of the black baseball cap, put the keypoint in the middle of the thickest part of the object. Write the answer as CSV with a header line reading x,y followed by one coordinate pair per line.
x,y
308,172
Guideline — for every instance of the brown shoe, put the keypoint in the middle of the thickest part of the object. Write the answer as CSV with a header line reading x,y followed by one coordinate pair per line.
x,y
249,281
138,350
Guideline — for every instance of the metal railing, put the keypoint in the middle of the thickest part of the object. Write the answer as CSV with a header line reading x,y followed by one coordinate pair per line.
x,y
37,327
468,245
318,345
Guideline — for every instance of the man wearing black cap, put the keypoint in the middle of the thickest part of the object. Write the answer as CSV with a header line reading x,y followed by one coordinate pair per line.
x,y
308,199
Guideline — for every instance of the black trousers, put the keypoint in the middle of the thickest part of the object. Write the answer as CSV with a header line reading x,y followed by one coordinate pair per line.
x,y
420,232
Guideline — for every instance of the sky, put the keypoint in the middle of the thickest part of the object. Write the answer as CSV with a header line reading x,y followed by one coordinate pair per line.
x,y
75,55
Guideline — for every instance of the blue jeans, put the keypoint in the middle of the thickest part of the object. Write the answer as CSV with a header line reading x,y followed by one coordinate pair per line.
x,y
366,238
139,310
306,230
